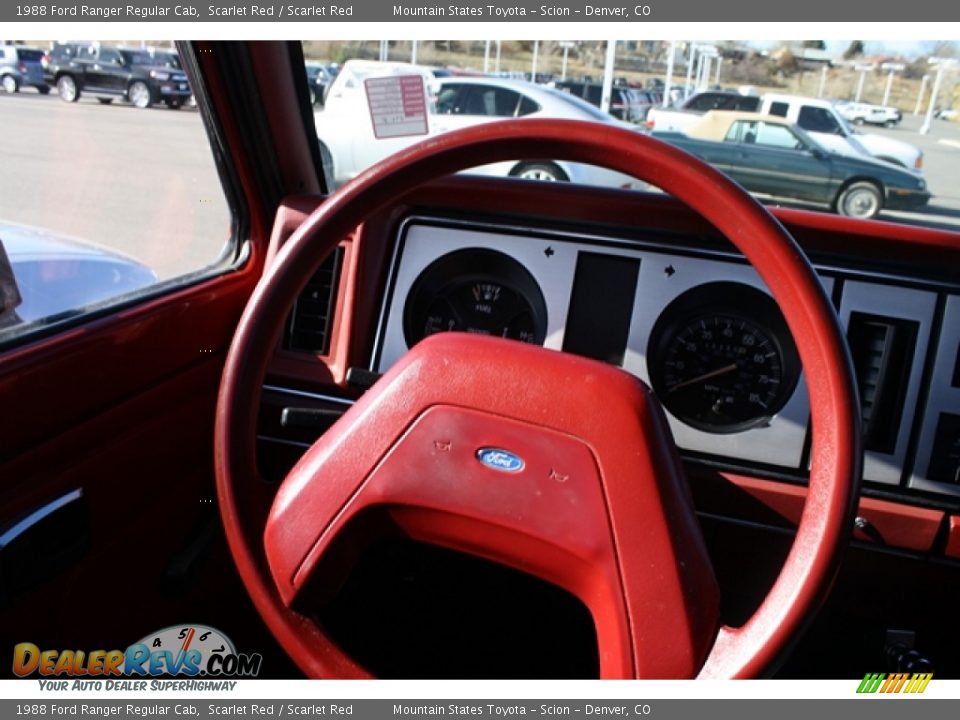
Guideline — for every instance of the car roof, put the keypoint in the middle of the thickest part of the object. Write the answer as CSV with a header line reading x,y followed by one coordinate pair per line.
x,y
714,124
816,102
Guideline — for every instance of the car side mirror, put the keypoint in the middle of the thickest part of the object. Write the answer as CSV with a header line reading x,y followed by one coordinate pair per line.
x,y
10,296
817,153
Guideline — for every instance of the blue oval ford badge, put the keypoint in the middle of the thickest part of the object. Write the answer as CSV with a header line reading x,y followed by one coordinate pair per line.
x,y
499,459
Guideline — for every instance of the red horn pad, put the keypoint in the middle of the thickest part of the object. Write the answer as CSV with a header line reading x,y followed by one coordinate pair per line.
x,y
579,486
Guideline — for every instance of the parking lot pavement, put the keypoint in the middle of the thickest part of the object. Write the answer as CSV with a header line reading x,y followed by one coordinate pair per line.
x,y
143,182
941,168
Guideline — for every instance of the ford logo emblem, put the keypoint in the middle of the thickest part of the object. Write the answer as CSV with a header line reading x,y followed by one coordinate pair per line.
x,y
498,459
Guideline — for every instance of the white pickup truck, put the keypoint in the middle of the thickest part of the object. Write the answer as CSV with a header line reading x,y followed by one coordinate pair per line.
x,y
860,113
818,117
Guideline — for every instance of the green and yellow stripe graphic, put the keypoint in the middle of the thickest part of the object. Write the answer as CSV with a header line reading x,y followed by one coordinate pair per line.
x,y
895,683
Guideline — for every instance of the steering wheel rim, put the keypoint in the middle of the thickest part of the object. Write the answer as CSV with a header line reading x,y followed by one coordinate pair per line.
x,y
835,451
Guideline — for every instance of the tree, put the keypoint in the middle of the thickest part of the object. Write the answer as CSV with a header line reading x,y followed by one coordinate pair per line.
x,y
942,48
787,62
854,50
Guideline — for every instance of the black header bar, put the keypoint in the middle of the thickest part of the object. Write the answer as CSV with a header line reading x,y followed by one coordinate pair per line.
x,y
394,11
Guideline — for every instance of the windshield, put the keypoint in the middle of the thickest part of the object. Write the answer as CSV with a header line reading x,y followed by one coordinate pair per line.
x,y
905,157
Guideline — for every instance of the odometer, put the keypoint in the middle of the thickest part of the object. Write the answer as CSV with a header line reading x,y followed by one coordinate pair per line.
x,y
721,359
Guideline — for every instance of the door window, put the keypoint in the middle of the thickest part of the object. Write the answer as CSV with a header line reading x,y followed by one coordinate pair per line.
x,y
779,109
102,202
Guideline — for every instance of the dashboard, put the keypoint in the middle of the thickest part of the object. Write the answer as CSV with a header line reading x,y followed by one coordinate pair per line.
x,y
638,281
699,326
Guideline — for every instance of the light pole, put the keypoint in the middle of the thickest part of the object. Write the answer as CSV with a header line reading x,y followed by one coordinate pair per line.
x,y
863,70
413,52
923,89
690,56
668,81
566,45
823,81
533,67
893,69
941,64
498,58
716,80
608,76
707,54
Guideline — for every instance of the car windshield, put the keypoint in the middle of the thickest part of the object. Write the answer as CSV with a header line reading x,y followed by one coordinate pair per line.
x,y
905,161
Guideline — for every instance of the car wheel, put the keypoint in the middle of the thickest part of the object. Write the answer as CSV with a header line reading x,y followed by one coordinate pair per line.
x,y
860,200
10,84
890,123
139,95
43,89
858,121
313,96
104,101
174,104
548,172
67,89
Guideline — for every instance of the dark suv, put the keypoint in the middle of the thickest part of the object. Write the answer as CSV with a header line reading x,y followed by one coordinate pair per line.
x,y
109,73
625,103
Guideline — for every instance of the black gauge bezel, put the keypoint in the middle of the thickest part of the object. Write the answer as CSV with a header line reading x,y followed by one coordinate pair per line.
x,y
470,265
707,302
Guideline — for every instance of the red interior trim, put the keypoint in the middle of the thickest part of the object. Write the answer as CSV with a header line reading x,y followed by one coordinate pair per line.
x,y
953,539
897,524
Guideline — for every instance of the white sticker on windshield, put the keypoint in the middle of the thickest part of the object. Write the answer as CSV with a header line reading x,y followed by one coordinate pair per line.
x,y
398,105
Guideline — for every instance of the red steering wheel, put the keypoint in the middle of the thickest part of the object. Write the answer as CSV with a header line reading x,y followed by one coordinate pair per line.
x,y
588,492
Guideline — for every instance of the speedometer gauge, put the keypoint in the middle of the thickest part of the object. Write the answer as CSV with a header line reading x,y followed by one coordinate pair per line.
x,y
721,358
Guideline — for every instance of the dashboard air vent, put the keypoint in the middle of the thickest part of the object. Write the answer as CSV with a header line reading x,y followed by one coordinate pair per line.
x,y
308,329
882,349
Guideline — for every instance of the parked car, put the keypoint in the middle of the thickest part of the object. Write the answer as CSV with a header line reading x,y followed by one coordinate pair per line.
x,y
818,117
860,113
21,66
349,144
111,73
821,120
626,103
771,156
53,275
318,79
